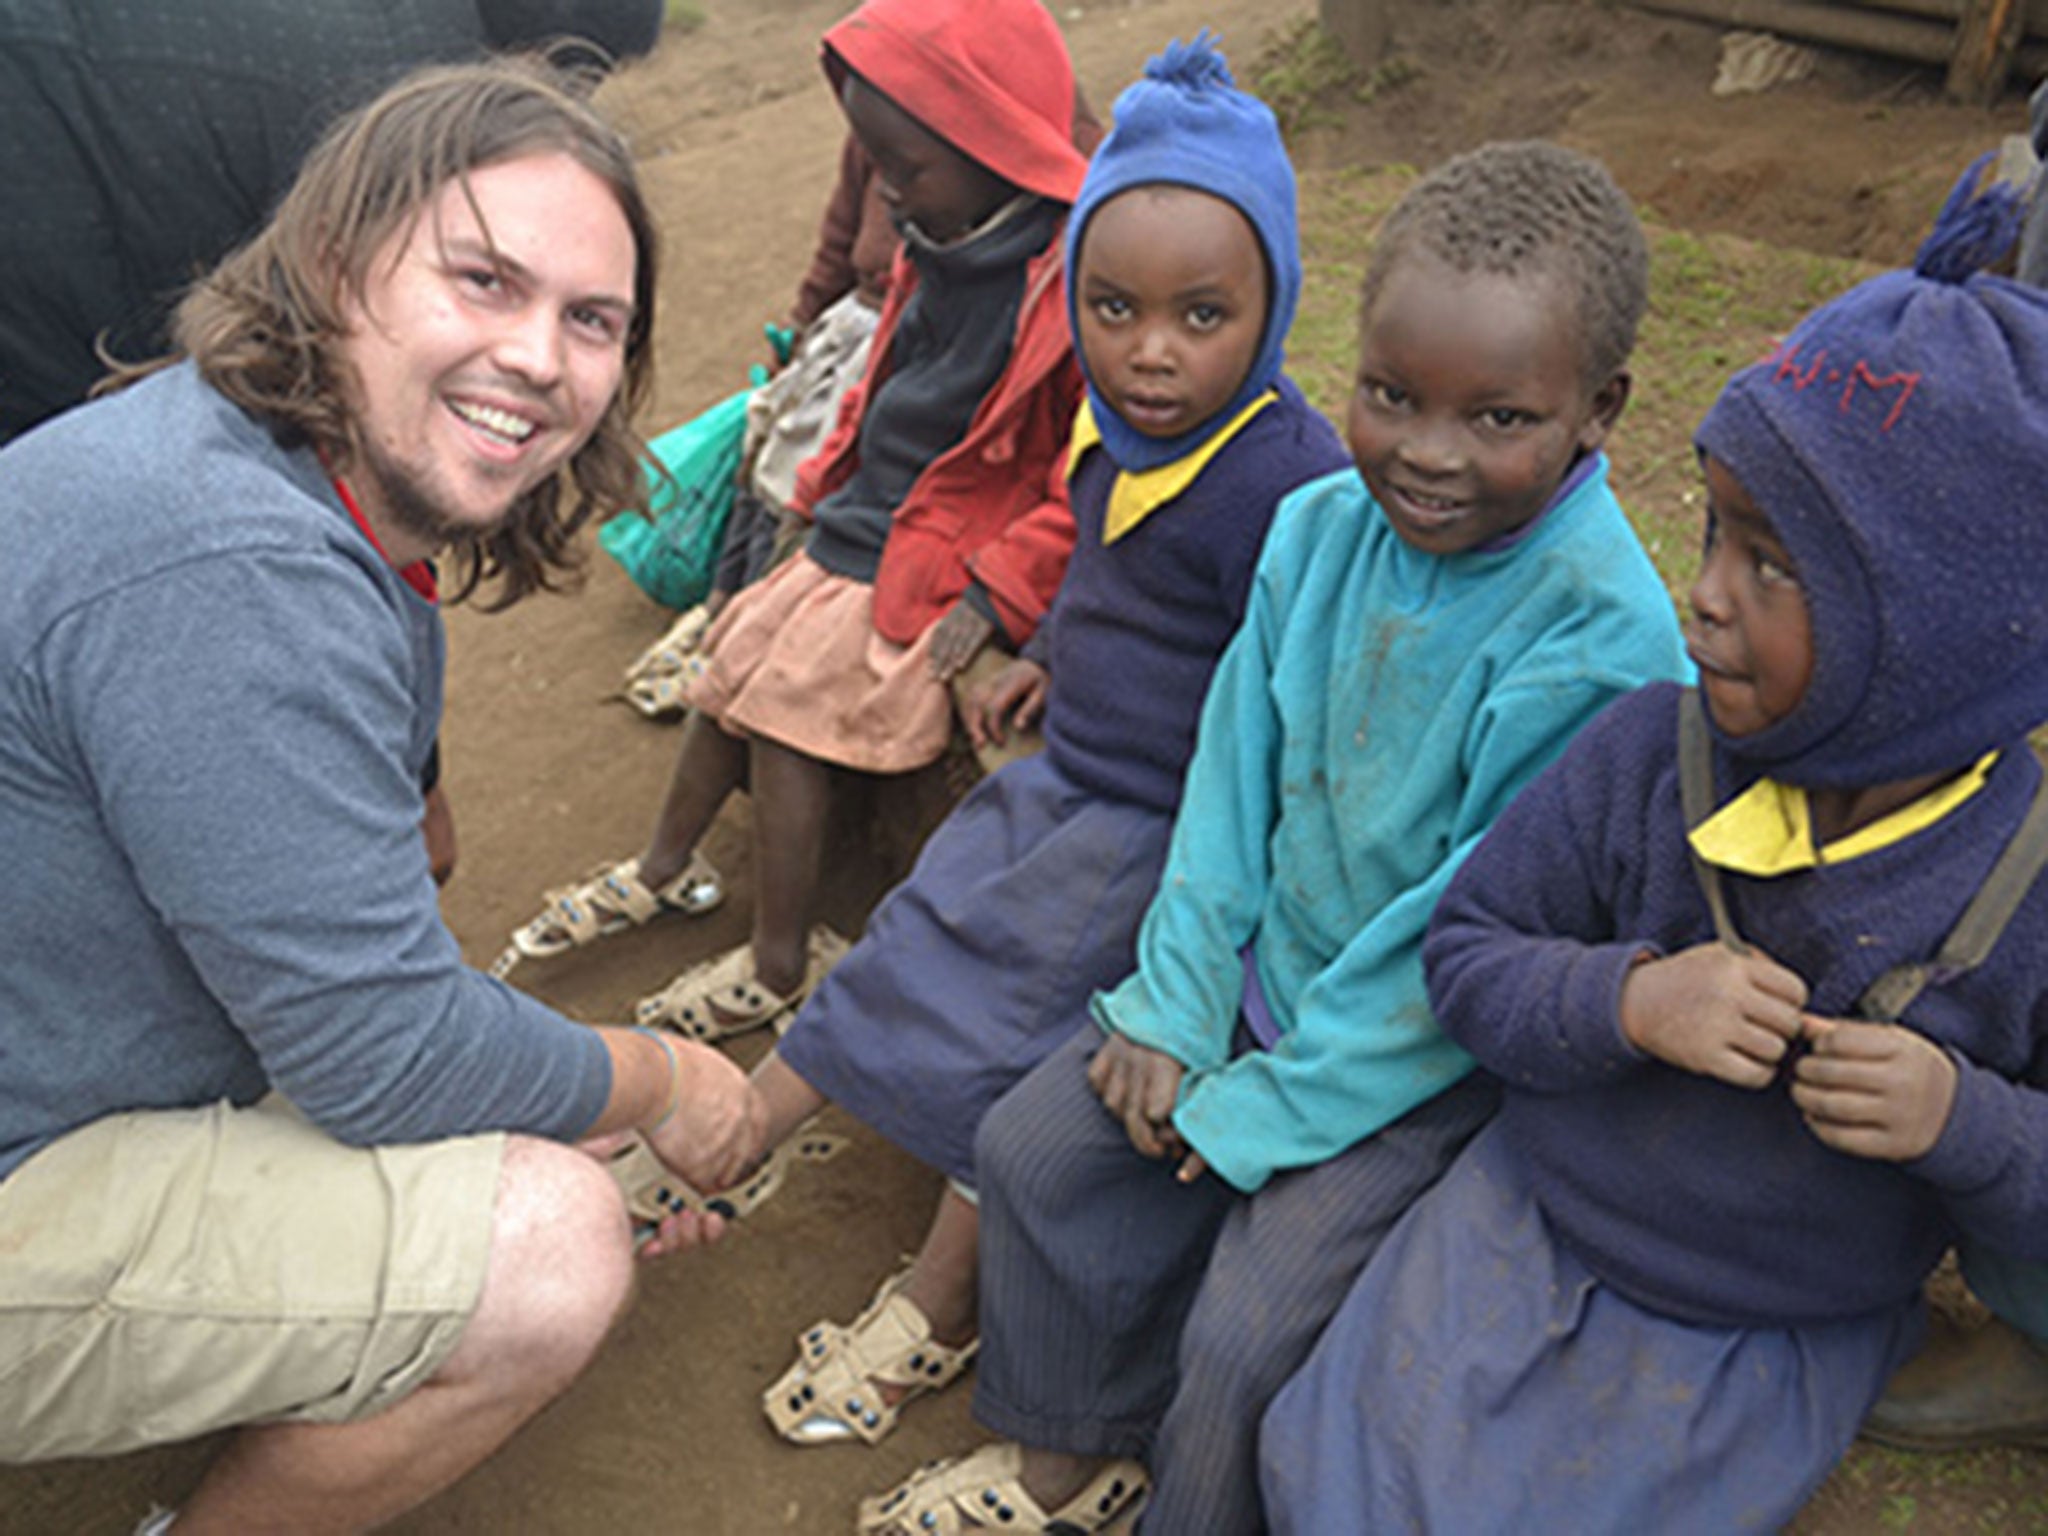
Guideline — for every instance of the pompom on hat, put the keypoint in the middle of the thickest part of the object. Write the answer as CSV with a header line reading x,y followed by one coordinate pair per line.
x,y
1895,440
1185,123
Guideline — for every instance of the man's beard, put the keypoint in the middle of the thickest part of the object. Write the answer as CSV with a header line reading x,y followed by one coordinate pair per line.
x,y
418,513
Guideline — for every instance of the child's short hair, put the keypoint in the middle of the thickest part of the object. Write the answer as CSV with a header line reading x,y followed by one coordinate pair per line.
x,y
1530,209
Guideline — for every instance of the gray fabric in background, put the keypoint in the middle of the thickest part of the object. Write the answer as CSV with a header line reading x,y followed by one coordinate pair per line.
x,y
141,141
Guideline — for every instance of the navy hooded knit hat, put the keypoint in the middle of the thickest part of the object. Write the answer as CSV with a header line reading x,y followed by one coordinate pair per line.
x,y
1895,441
1185,123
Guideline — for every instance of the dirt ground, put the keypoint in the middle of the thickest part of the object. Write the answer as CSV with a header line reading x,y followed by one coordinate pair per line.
x,y
548,777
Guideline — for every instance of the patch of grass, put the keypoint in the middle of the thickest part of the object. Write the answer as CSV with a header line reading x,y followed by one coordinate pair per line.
x,y
682,15
1717,304
1340,213
1298,71
1389,76
1995,1492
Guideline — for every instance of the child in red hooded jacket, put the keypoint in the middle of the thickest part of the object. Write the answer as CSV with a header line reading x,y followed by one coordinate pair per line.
x,y
938,508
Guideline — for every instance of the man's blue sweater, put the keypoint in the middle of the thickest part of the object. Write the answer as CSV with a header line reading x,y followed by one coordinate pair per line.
x,y
215,701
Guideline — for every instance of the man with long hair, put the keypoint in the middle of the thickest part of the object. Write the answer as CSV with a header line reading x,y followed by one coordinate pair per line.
x,y
271,1156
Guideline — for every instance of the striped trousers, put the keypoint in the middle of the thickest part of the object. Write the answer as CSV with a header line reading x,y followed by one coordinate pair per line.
x,y
1124,1314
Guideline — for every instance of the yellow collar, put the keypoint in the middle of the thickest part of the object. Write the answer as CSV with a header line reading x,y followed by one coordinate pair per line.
x,y
1767,830
1135,497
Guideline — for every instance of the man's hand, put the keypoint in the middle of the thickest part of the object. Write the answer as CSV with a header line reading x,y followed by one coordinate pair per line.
x,y
1011,700
1715,1012
720,1126
1140,1086
1874,1090
956,638
715,1135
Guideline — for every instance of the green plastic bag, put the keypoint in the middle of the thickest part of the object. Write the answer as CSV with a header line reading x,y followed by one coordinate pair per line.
x,y
672,554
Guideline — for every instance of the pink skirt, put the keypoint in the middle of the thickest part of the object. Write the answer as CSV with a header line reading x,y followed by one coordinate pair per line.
x,y
795,659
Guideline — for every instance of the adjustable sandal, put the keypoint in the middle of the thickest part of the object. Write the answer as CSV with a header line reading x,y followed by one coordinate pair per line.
x,y
665,695
984,1491
683,640
654,1193
833,1392
611,900
721,998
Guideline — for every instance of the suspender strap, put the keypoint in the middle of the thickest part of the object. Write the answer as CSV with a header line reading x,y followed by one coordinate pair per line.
x,y
1981,924
1983,921
1696,800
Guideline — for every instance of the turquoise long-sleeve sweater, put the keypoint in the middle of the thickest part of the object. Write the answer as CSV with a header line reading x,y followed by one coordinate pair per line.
x,y
1376,711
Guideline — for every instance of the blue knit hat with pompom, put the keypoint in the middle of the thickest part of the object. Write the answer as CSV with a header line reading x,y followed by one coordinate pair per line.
x,y
1896,440
1185,123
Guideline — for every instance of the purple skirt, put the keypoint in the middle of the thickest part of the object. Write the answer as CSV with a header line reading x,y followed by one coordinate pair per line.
x,y
1024,903
1480,1378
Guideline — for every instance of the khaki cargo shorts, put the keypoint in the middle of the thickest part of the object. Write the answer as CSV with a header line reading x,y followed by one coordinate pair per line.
x,y
167,1273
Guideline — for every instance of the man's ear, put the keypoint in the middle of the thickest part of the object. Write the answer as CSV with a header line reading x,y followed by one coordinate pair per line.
x,y
1604,411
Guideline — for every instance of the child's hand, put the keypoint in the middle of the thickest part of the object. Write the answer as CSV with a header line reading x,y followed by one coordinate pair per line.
x,y
1874,1090
1013,699
1139,1086
956,638
1715,1012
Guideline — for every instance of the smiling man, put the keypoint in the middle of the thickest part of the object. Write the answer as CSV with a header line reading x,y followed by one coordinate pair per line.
x,y
270,1155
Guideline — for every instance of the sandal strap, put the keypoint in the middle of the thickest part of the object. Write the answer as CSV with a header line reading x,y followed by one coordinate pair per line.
x,y
653,1192
891,1344
609,900
840,1371
720,997
678,643
615,892
712,999
696,890
619,892
580,911
661,696
985,1491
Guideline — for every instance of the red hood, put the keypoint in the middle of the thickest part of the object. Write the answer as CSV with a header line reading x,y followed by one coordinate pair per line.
x,y
990,77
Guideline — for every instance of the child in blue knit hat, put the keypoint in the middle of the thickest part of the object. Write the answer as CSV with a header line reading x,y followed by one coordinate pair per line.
x,y
1184,271
1177,1199
1765,982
